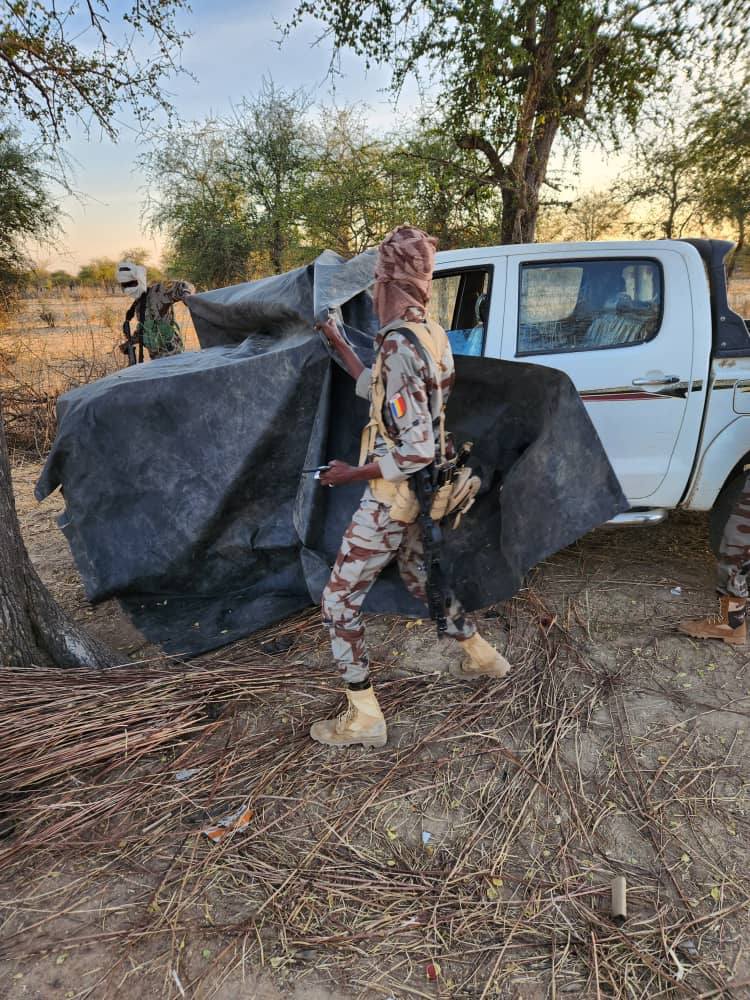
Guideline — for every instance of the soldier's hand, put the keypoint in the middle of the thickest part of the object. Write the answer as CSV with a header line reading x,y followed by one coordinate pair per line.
x,y
331,332
338,474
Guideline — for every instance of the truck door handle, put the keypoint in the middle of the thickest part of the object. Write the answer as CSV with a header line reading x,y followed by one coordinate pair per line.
x,y
656,380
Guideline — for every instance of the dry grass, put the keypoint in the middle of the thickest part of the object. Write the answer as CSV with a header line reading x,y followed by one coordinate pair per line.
x,y
534,792
739,296
54,344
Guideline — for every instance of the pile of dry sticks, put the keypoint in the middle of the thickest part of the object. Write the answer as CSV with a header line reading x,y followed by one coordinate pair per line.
x,y
472,854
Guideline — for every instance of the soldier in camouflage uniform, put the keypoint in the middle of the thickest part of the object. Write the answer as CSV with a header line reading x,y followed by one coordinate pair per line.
x,y
731,583
414,395
158,330
161,331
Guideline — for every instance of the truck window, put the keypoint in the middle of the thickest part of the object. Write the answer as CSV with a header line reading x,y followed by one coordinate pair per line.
x,y
460,303
588,305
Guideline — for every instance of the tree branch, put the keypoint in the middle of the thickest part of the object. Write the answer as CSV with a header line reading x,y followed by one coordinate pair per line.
x,y
476,142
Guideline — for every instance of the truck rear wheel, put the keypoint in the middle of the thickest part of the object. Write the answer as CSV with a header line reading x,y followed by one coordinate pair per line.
x,y
721,510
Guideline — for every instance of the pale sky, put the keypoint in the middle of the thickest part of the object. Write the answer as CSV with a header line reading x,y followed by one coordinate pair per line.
x,y
233,46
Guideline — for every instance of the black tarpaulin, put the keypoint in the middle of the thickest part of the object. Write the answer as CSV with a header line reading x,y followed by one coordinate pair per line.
x,y
183,493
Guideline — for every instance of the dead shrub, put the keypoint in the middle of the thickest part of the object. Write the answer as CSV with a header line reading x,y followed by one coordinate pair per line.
x,y
30,401
109,318
35,370
36,366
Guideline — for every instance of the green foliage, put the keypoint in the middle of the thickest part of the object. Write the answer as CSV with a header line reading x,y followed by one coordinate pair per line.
x,y
136,255
200,203
270,154
694,170
514,74
442,192
98,273
663,178
227,193
27,211
720,146
61,279
362,186
208,249
357,190
79,62
276,184
41,278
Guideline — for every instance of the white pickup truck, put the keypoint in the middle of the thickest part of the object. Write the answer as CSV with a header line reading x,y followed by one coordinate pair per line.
x,y
645,332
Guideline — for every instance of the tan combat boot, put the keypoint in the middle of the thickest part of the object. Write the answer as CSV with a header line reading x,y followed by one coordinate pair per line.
x,y
362,722
483,660
729,625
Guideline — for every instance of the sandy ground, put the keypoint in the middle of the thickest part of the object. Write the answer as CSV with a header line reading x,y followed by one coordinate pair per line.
x,y
629,587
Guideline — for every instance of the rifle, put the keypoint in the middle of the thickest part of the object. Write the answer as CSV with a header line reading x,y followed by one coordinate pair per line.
x,y
130,341
423,483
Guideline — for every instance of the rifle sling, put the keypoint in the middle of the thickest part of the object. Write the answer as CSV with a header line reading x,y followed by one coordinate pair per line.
x,y
436,584
140,305
416,343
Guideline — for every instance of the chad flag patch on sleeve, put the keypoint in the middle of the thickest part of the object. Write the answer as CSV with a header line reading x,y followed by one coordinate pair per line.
x,y
397,406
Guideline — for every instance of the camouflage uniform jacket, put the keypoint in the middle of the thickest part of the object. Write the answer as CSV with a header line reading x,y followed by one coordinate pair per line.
x,y
161,333
413,404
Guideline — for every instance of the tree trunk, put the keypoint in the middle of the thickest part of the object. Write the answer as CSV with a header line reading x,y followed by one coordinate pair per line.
x,y
34,630
277,247
536,173
535,133
732,262
511,224
521,195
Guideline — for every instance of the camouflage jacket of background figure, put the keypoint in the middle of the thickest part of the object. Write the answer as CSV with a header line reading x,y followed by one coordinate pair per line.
x,y
158,327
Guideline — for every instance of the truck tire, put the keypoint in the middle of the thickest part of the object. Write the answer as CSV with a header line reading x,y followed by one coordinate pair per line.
x,y
721,510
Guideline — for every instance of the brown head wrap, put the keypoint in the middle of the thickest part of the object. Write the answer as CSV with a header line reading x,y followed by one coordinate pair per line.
x,y
403,274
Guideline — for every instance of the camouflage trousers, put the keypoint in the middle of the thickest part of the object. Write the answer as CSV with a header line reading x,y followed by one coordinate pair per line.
x,y
734,550
372,540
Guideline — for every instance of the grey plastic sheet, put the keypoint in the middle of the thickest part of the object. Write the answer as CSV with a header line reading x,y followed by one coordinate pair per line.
x,y
263,308
182,477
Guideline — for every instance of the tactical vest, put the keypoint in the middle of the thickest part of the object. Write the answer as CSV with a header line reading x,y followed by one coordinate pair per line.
x,y
459,490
